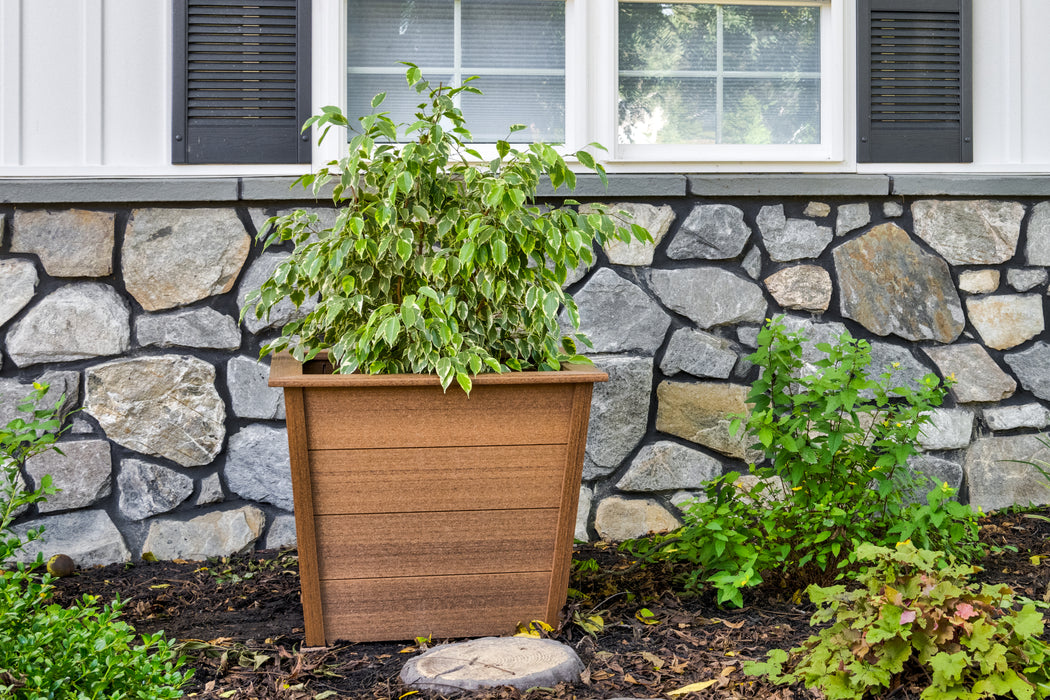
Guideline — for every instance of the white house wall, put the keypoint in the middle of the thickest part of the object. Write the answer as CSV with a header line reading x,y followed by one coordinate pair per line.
x,y
85,90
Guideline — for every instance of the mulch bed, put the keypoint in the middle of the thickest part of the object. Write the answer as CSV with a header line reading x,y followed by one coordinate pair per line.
x,y
243,625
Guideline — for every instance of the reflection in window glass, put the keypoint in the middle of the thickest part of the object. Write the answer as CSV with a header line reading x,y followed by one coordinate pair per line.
x,y
718,74
515,47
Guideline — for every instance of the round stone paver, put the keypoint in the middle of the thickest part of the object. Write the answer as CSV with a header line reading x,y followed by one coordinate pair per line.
x,y
521,662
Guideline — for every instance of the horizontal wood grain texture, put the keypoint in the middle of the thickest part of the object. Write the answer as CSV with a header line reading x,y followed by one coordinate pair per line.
x,y
436,479
435,544
438,606
382,417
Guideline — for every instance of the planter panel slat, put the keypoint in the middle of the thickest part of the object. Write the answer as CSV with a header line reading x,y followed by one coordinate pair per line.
x,y
435,544
493,415
402,480
442,606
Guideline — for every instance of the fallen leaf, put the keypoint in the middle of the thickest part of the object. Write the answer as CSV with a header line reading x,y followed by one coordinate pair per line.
x,y
655,660
692,688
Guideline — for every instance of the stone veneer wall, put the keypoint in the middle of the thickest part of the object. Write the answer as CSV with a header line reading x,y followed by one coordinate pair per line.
x,y
129,306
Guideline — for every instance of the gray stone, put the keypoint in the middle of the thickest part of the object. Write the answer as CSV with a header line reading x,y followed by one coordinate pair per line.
x,y
933,472
904,369
948,429
978,281
1006,320
997,474
89,537
618,518
748,335
18,280
701,413
148,489
667,466
1023,280
891,210
802,287
684,500
852,217
583,514
520,662
752,263
74,322
81,427
22,486
619,411
791,239
1029,415
977,376
258,466
655,220
83,473
817,210
69,243
284,312
210,491
174,257
815,333
710,232
571,276
13,393
216,534
163,406
1032,368
1037,250
974,232
249,393
771,220
281,532
710,296
888,284
618,316
192,328
699,354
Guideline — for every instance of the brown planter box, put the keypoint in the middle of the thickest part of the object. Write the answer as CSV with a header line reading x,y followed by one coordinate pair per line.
x,y
422,513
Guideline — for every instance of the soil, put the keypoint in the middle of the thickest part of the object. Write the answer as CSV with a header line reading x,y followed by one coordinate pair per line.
x,y
242,626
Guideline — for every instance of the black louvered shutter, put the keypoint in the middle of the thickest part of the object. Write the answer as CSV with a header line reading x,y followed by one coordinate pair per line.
x,y
914,82
241,81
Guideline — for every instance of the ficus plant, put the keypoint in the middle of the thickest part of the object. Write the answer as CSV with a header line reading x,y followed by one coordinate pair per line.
x,y
438,261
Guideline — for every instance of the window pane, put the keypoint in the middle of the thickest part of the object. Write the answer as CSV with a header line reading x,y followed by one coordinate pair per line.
x,y
513,34
538,102
379,34
667,110
664,36
771,111
771,38
400,102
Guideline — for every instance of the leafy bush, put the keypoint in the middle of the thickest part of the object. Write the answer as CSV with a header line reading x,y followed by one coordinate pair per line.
x,y
47,651
917,615
434,264
836,444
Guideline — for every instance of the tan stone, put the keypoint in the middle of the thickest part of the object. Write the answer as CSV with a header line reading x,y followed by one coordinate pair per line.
x,y
979,281
803,287
1006,320
212,535
701,413
656,220
618,518
977,377
817,209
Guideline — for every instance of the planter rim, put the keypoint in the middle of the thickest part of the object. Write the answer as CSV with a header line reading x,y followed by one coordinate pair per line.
x,y
286,371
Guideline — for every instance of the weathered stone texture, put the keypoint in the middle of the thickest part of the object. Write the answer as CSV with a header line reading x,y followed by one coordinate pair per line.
x,y
851,217
948,429
892,210
148,489
583,514
174,257
933,472
13,392
83,474
668,466
69,243
710,232
191,328
817,210
18,280
74,322
281,532
888,284
1037,249
618,316
1029,415
210,491
710,296
752,263
904,369
976,232
699,354
619,409
257,465
249,393
802,287
617,518
284,312
164,406
797,239
997,476
89,537
1025,279
655,220
1006,320
217,534
701,413
978,281
977,377
1032,368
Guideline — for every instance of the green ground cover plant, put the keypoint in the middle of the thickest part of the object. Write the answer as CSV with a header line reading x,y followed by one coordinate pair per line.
x,y
835,442
915,607
47,651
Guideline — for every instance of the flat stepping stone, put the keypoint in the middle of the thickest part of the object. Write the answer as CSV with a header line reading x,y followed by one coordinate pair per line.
x,y
521,662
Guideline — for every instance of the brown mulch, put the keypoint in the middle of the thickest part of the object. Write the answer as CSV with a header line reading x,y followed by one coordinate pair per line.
x,y
243,625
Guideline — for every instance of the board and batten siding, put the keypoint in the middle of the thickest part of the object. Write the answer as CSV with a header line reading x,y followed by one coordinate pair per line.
x,y
85,90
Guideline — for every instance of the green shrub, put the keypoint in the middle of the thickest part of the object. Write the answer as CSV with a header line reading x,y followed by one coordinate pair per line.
x,y
917,616
47,651
836,444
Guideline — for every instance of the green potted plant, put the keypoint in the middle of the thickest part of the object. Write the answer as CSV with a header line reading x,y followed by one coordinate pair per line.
x,y
422,510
